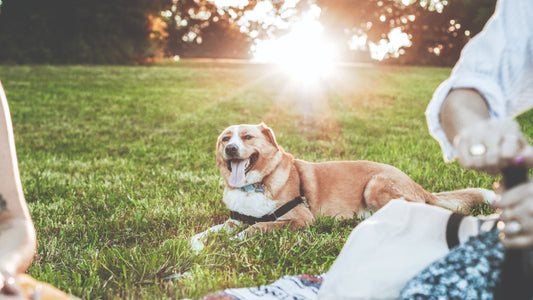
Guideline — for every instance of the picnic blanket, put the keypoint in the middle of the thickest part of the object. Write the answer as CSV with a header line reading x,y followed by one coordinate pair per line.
x,y
298,287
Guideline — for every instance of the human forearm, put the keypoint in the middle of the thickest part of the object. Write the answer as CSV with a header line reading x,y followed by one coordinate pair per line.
x,y
18,245
17,235
481,142
461,109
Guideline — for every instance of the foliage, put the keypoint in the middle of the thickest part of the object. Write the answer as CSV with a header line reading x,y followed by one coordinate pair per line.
x,y
76,31
199,28
122,31
430,25
438,30
117,165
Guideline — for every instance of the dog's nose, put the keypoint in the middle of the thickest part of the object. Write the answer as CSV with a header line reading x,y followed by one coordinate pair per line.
x,y
232,149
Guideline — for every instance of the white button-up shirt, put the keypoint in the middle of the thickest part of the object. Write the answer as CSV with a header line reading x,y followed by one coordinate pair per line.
x,y
498,63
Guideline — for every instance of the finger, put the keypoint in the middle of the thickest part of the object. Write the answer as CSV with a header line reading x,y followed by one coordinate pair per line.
x,y
463,151
492,142
516,210
470,159
10,286
37,293
515,227
516,195
517,241
511,146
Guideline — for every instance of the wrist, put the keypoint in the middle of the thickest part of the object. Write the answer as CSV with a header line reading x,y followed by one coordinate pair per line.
x,y
8,283
462,108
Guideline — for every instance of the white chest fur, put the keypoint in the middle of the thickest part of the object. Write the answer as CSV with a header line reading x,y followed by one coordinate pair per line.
x,y
248,203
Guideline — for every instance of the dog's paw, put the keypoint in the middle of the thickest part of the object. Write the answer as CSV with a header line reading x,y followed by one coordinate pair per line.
x,y
197,242
490,197
241,235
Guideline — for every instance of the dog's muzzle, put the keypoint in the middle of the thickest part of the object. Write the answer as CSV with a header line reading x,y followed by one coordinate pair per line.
x,y
232,150
252,160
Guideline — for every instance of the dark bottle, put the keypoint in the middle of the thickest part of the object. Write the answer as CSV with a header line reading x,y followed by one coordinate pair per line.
x,y
516,278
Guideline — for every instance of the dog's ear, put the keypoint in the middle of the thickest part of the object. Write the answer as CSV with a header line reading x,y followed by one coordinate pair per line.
x,y
219,138
269,134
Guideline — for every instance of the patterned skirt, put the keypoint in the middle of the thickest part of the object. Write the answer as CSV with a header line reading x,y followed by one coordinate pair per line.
x,y
470,271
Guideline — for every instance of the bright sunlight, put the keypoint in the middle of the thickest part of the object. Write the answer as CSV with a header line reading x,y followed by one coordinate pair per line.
x,y
304,53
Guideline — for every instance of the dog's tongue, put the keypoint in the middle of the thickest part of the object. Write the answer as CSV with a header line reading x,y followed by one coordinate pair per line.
x,y
238,167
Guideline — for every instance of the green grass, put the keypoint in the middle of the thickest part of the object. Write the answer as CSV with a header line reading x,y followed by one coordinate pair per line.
x,y
118,169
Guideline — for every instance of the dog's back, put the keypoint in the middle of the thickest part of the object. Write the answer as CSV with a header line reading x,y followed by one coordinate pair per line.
x,y
343,188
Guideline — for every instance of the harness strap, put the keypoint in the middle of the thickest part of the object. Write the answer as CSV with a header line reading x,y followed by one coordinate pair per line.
x,y
250,220
268,218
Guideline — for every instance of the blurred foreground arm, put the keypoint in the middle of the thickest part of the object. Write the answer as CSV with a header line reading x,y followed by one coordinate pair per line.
x,y
17,234
471,113
467,123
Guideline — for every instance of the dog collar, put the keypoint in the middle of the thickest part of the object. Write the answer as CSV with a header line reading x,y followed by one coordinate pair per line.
x,y
256,187
268,218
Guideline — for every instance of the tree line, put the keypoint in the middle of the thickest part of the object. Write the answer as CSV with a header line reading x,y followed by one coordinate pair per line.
x,y
140,31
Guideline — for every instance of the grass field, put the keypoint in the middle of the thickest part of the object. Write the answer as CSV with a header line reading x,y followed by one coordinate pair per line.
x,y
117,166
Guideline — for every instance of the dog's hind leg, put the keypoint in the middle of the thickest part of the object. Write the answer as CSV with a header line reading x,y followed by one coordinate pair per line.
x,y
381,189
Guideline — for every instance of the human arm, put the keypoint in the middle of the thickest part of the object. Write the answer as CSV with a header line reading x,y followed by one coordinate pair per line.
x,y
466,121
17,234
497,64
489,86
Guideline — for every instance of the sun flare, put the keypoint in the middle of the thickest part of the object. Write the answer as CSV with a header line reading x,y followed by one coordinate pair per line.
x,y
304,53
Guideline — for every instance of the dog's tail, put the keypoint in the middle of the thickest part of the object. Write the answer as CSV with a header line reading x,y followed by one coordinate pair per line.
x,y
463,200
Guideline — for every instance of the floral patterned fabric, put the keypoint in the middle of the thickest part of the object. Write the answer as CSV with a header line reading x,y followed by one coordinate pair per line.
x,y
469,271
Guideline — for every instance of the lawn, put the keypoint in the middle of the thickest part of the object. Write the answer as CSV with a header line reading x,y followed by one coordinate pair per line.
x,y
118,169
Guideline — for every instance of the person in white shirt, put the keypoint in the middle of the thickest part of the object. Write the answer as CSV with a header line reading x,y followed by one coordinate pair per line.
x,y
472,116
471,113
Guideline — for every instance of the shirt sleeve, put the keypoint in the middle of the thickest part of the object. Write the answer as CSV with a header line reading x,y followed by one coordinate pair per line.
x,y
493,62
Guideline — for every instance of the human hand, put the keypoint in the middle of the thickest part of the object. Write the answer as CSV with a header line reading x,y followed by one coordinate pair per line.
x,y
492,145
10,290
516,220
35,296
8,287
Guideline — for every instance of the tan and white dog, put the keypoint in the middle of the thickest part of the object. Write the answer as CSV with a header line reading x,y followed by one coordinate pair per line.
x,y
268,188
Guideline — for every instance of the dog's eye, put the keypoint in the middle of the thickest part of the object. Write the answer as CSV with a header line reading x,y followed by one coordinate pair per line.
x,y
226,138
247,137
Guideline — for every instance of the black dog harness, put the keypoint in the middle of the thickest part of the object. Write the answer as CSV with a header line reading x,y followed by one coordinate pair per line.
x,y
250,220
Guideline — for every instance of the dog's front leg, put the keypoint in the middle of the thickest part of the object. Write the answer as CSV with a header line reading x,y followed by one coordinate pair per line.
x,y
298,218
197,241
263,227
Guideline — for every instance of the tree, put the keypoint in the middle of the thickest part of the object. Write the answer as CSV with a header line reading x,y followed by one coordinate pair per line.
x,y
76,31
438,30
198,28
125,31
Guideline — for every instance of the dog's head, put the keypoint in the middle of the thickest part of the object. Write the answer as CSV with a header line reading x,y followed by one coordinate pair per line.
x,y
246,153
